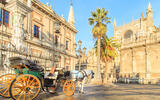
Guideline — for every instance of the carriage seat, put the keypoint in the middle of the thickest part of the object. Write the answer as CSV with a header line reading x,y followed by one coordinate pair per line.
x,y
14,61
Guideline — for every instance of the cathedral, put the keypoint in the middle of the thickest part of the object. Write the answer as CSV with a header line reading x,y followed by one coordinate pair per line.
x,y
139,54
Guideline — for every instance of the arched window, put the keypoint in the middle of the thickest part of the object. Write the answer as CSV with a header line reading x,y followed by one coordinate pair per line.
x,y
128,34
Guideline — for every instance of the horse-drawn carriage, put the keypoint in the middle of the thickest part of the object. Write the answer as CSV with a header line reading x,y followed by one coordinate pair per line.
x,y
29,79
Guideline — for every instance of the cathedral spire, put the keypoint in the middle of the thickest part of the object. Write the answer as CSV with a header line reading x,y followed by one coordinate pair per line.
x,y
114,27
71,14
114,24
149,6
149,10
142,15
149,14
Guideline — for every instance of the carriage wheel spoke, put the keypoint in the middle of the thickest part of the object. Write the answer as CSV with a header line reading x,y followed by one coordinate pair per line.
x,y
4,82
35,84
5,91
28,80
1,86
24,95
18,92
21,81
29,95
18,86
31,82
36,87
20,95
8,94
2,89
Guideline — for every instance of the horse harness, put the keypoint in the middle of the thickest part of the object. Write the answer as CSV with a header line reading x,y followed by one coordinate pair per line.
x,y
84,74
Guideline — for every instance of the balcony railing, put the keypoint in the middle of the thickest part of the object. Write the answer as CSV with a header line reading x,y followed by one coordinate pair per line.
x,y
43,41
140,40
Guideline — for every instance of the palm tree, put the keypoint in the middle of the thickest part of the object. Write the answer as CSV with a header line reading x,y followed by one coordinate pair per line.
x,y
109,49
99,19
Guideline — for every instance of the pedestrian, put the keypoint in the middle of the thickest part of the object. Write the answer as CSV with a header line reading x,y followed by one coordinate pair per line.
x,y
102,76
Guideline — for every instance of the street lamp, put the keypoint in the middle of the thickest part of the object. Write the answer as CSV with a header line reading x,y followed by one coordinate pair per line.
x,y
80,52
79,44
75,46
84,50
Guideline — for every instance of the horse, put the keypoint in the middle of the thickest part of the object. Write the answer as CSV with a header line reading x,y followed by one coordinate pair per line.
x,y
81,77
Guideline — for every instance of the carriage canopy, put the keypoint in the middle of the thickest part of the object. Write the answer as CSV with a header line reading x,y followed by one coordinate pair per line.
x,y
19,61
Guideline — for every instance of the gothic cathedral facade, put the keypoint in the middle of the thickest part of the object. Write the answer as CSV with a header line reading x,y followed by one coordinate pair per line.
x,y
140,46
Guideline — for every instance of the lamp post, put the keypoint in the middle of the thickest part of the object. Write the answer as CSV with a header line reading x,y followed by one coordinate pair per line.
x,y
84,50
80,52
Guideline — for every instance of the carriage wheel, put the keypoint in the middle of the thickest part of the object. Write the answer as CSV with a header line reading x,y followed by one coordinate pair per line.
x,y
69,88
25,87
5,81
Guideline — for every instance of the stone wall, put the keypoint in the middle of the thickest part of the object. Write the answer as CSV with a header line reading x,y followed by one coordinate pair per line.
x,y
141,59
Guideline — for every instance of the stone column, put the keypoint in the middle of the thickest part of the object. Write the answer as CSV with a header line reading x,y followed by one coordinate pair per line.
x,y
148,66
147,77
17,31
133,62
19,11
29,3
62,61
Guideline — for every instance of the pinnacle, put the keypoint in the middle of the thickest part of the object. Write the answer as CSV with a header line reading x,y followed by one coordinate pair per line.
x,y
71,15
149,6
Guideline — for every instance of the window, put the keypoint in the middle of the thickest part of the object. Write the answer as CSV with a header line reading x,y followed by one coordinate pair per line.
x,y
128,34
67,44
56,40
57,27
36,31
5,15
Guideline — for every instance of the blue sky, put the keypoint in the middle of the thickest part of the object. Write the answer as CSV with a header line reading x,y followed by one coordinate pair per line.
x,y
121,10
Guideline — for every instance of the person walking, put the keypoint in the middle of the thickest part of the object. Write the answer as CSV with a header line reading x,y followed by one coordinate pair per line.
x,y
102,76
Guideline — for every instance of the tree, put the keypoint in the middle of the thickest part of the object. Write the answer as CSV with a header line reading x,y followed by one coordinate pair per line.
x,y
100,20
109,49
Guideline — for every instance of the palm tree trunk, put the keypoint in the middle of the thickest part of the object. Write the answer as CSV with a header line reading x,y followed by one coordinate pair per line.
x,y
98,57
106,72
